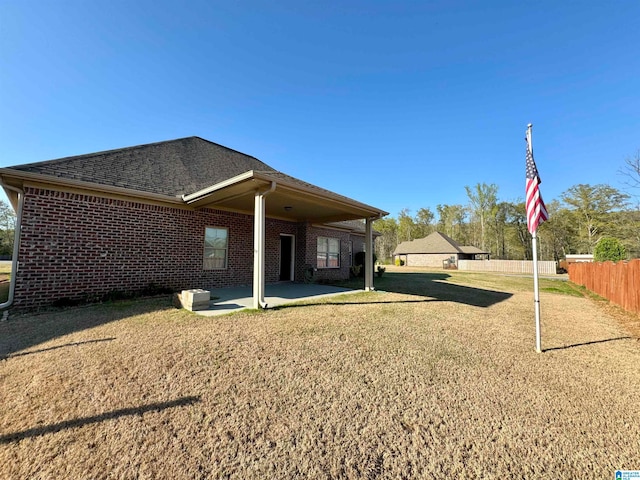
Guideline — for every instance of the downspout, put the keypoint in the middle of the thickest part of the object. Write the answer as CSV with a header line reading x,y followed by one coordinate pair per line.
x,y
16,246
258,249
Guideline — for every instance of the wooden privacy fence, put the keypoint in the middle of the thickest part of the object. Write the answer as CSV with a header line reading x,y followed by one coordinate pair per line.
x,y
507,266
618,282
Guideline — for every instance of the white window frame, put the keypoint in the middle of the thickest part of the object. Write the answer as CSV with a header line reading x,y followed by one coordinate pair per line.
x,y
327,253
207,250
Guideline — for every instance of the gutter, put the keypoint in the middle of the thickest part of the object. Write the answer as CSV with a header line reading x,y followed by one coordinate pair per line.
x,y
93,188
16,246
266,192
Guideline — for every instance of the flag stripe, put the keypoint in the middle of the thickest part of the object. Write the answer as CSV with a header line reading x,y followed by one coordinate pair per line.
x,y
536,210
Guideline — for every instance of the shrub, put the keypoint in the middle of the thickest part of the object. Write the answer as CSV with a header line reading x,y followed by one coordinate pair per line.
x,y
66,302
359,260
399,262
309,273
381,270
152,289
609,249
355,270
115,295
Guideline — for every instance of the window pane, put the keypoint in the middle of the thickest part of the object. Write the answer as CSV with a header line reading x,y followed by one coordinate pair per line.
x,y
220,243
214,262
322,244
215,248
328,255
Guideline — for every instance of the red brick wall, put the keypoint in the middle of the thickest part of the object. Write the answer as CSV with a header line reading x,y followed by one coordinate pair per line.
x,y
311,244
358,243
81,247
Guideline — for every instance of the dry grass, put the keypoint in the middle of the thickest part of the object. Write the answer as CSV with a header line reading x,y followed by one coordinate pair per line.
x,y
440,381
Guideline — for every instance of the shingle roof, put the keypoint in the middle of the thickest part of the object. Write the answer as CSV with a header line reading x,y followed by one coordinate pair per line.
x,y
470,249
173,168
437,242
356,226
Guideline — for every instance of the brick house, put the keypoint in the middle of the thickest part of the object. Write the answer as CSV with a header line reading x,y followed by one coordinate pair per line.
x,y
433,250
179,214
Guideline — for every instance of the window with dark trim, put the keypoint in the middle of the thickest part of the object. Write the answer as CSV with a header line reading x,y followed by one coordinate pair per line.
x,y
328,252
216,247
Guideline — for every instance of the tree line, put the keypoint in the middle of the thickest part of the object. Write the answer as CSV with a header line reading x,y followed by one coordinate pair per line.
x,y
582,216
7,228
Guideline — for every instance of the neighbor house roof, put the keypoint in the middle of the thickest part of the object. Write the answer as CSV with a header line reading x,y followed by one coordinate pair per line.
x,y
470,249
195,172
437,242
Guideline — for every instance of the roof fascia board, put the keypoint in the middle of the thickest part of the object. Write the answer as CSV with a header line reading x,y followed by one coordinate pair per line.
x,y
375,212
195,196
372,212
44,180
356,207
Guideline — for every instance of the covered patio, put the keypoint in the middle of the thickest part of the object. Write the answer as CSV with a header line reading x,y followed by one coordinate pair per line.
x,y
234,299
279,196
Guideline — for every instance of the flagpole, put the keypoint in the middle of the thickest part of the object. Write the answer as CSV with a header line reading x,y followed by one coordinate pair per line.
x,y
536,292
534,246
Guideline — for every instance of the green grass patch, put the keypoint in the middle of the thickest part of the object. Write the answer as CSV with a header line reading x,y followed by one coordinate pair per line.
x,y
563,288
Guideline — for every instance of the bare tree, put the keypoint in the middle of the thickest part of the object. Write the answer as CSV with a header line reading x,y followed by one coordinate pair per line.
x,y
482,199
631,170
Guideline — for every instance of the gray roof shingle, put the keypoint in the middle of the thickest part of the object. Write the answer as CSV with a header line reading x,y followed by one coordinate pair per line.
x,y
172,168
437,242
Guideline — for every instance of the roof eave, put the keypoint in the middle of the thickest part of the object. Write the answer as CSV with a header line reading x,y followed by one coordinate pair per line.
x,y
17,178
261,179
208,191
376,212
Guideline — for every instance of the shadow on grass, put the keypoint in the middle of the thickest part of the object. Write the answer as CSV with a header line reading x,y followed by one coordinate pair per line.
x,y
434,286
79,422
329,304
22,331
586,343
72,344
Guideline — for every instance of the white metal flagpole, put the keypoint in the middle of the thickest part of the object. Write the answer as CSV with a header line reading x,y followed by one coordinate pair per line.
x,y
536,292
534,246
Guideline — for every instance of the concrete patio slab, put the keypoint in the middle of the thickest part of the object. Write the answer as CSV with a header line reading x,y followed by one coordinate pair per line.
x,y
228,300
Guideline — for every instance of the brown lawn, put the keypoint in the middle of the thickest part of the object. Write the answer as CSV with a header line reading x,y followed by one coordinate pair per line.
x,y
435,377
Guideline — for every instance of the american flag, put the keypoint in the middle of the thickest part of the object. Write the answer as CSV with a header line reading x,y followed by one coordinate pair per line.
x,y
536,211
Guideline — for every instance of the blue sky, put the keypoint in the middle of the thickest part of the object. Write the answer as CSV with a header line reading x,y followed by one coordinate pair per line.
x,y
396,104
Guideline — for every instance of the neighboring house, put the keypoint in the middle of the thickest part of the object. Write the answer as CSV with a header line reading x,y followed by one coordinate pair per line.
x,y
180,214
433,250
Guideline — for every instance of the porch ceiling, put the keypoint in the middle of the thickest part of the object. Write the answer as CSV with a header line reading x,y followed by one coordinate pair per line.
x,y
290,199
